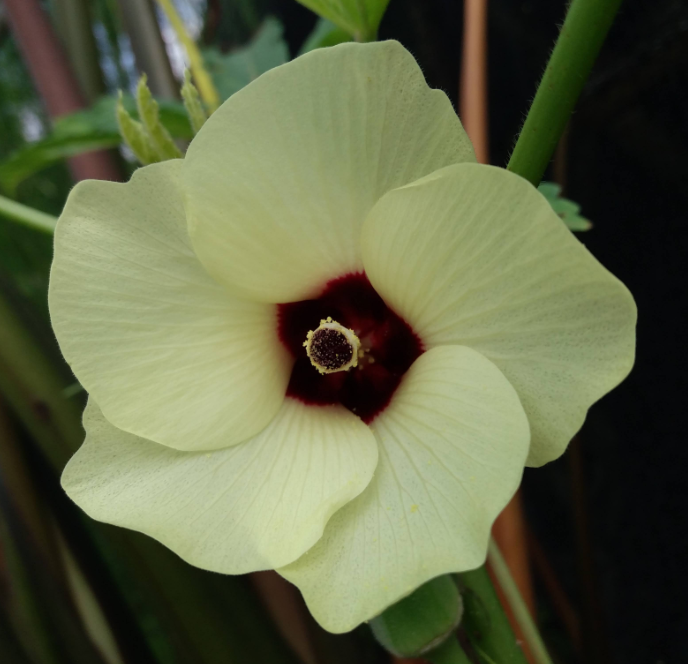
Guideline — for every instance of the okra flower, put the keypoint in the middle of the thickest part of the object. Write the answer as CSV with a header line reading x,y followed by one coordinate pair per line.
x,y
459,331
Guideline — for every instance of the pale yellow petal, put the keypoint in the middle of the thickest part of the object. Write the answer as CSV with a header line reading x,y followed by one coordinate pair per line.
x,y
452,446
474,255
167,352
282,176
253,506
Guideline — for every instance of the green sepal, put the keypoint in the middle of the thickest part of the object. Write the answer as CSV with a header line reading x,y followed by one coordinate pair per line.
x,y
134,135
569,211
485,623
422,621
192,103
159,137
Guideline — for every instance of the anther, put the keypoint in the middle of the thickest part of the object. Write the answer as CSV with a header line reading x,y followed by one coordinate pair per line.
x,y
332,347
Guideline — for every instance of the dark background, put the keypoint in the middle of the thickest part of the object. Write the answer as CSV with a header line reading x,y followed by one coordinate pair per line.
x,y
612,514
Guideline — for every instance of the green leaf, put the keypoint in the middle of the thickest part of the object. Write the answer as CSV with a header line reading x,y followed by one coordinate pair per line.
x,y
360,18
36,156
92,129
566,209
233,71
325,33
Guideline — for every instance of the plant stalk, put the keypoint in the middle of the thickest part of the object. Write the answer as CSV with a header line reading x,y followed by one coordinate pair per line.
x,y
518,606
27,216
581,37
204,83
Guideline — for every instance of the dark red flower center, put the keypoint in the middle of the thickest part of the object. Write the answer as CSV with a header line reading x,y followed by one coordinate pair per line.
x,y
388,343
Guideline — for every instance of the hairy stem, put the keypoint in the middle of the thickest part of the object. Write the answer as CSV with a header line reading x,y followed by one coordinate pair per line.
x,y
518,606
581,37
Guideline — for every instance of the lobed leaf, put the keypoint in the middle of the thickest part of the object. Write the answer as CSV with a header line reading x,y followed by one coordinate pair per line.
x,y
566,209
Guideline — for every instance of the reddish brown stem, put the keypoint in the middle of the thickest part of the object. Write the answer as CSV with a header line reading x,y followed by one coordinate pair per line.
x,y
509,529
473,84
50,70
557,595
509,532
282,601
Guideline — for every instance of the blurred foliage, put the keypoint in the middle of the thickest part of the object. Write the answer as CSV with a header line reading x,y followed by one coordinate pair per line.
x,y
232,71
22,119
24,254
231,23
324,34
90,129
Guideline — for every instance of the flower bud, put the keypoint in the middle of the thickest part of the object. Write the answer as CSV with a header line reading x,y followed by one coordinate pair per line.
x,y
421,621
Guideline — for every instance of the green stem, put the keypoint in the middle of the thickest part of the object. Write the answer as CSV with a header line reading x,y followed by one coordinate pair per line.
x,y
518,606
450,652
581,37
485,622
27,216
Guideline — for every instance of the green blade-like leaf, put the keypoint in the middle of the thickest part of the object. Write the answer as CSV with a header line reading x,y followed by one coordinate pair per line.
x,y
11,649
360,18
208,617
566,209
37,156
46,621
233,71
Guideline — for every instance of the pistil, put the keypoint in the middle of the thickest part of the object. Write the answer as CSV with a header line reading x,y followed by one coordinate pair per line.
x,y
332,347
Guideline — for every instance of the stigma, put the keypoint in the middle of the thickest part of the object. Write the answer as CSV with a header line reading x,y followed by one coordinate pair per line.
x,y
332,347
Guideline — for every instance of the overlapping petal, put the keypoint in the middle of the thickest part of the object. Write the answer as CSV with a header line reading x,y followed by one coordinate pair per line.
x,y
474,255
282,176
252,506
453,443
168,353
